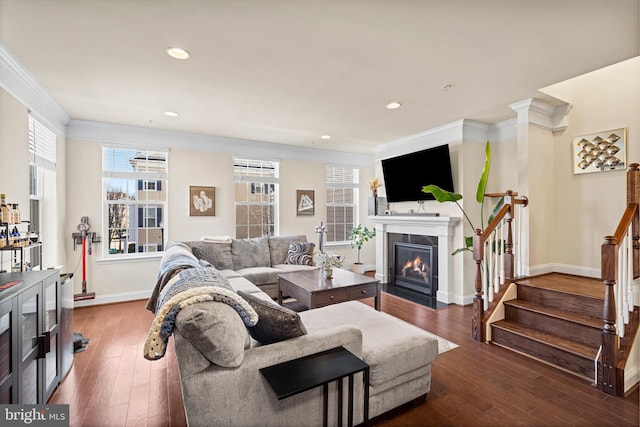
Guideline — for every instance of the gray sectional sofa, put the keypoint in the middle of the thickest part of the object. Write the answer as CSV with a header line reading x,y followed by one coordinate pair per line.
x,y
257,260
219,362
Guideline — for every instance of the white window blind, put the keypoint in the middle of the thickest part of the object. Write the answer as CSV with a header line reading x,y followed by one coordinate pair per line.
x,y
342,202
42,145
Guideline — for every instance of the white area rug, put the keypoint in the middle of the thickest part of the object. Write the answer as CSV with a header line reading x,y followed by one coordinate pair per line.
x,y
444,345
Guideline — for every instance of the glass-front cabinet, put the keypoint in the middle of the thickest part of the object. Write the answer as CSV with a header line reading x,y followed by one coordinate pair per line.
x,y
29,336
8,363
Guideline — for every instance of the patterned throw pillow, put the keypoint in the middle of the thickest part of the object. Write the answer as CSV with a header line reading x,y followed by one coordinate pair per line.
x,y
300,253
275,323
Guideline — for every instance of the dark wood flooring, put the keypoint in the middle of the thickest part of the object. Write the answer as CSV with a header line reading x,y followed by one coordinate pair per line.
x,y
111,384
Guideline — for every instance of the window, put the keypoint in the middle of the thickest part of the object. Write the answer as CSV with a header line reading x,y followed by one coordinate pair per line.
x,y
256,197
42,189
342,199
135,200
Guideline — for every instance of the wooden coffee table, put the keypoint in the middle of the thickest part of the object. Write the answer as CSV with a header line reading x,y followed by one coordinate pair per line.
x,y
311,289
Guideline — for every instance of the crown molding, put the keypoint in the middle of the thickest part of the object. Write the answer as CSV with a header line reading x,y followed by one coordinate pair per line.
x,y
16,80
468,131
91,131
538,113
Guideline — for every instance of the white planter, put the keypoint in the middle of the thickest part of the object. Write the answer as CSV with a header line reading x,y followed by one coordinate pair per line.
x,y
358,268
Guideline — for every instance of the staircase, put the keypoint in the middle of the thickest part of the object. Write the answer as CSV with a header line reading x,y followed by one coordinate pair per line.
x,y
557,319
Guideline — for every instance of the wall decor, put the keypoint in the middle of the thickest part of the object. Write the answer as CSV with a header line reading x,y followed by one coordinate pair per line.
x,y
602,151
305,202
202,201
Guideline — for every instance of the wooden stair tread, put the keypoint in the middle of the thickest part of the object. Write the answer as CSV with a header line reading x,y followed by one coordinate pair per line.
x,y
564,344
567,283
581,319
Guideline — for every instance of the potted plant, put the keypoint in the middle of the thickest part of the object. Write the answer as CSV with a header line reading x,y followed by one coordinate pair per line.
x,y
359,235
328,262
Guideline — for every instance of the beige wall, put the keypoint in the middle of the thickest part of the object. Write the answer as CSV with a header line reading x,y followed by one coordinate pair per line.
x,y
115,279
588,206
14,178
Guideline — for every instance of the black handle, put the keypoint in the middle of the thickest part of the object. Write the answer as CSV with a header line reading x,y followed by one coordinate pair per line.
x,y
44,344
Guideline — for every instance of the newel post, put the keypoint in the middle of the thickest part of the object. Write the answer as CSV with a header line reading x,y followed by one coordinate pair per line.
x,y
509,261
477,330
633,196
607,381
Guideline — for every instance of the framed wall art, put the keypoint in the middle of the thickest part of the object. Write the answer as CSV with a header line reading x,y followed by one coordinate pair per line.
x,y
602,151
202,201
305,202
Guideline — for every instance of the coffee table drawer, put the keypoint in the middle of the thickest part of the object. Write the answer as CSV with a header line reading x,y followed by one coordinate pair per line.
x,y
368,291
326,298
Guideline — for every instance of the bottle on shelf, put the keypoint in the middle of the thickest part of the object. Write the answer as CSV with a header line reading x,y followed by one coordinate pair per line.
x,y
7,214
16,213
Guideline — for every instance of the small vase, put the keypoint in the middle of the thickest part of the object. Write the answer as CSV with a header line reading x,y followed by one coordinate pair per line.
x,y
327,273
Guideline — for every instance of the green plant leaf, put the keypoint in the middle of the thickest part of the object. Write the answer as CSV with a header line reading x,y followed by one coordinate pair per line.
x,y
482,184
495,211
440,194
460,250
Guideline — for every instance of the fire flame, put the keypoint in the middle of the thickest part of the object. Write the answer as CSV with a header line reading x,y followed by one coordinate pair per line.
x,y
418,267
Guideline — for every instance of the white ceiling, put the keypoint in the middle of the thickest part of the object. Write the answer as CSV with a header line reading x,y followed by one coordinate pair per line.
x,y
289,71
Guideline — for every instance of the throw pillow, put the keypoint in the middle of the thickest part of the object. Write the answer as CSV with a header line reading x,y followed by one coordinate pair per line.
x,y
300,253
215,329
275,323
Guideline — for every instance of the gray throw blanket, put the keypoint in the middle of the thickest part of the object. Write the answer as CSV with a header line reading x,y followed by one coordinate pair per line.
x,y
190,286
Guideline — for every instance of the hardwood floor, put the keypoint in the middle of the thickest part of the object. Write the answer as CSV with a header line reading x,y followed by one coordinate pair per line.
x,y
476,384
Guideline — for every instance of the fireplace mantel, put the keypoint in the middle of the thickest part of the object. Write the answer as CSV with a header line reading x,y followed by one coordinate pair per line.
x,y
441,226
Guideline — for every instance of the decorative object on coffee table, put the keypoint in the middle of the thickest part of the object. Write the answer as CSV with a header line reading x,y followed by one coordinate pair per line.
x,y
328,262
202,201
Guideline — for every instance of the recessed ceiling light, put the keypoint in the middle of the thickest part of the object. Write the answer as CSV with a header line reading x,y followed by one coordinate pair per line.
x,y
171,114
393,105
325,137
177,53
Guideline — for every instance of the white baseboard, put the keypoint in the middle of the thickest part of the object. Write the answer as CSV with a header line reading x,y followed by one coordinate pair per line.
x,y
576,270
113,298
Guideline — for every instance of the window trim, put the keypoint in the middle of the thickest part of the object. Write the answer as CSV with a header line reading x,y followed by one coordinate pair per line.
x,y
145,176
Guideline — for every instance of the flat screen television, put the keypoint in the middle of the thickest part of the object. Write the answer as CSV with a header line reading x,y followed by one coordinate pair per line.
x,y
404,176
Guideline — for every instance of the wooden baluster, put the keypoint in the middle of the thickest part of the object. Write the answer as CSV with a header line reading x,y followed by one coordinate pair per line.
x,y
607,381
477,329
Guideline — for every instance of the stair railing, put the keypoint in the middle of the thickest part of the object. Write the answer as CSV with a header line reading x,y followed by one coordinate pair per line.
x,y
495,251
620,269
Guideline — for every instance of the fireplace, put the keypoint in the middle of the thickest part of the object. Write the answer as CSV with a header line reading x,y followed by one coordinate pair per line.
x,y
413,262
434,231
413,267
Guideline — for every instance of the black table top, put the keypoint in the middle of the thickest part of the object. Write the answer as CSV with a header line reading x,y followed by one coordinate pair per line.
x,y
295,376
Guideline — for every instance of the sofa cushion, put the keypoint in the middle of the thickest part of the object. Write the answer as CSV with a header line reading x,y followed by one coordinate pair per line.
x,y
279,247
218,254
250,253
391,347
216,330
241,284
260,275
275,323
286,268
300,253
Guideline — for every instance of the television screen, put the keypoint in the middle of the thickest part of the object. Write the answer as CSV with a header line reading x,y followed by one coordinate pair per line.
x,y
404,176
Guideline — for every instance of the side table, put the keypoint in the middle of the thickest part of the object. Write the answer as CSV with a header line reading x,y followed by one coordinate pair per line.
x,y
296,376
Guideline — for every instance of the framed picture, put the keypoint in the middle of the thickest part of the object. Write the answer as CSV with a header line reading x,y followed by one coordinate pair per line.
x,y
202,201
597,152
305,202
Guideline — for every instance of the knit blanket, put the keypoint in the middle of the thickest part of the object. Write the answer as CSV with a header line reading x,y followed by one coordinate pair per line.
x,y
176,257
189,287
